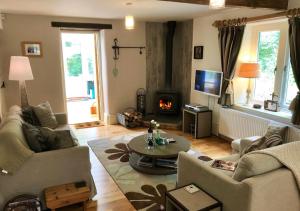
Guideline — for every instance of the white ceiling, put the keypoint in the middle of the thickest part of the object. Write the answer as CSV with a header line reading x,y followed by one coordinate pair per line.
x,y
108,9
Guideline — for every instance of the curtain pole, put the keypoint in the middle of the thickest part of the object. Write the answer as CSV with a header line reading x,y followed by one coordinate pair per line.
x,y
288,13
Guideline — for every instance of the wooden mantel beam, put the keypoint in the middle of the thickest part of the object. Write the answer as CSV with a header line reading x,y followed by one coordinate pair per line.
x,y
268,4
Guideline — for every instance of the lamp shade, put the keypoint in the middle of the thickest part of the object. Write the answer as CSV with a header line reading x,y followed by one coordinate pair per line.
x,y
249,70
20,69
129,22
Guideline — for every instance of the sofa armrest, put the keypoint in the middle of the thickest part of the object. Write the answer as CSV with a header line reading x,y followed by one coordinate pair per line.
x,y
61,118
48,169
276,190
189,166
246,142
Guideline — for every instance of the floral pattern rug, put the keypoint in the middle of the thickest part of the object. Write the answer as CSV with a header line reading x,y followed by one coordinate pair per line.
x,y
145,192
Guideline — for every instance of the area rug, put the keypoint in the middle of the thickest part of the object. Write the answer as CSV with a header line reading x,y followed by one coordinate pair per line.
x,y
145,192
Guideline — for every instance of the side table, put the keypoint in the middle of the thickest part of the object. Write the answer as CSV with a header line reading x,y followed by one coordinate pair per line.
x,y
199,123
65,195
182,200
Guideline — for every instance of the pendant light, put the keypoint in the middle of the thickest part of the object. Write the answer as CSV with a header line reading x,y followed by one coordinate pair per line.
x,y
217,4
129,22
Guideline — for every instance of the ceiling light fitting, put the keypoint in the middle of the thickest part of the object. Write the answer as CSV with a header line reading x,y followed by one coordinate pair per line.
x,y
217,4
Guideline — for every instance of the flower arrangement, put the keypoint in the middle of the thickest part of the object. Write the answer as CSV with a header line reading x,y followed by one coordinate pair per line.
x,y
157,138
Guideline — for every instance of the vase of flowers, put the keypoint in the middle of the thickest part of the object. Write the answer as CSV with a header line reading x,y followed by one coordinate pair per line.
x,y
157,138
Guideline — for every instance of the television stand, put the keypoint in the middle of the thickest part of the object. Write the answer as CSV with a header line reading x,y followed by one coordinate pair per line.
x,y
197,123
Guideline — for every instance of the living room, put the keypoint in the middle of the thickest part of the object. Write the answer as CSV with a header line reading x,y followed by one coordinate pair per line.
x,y
146,128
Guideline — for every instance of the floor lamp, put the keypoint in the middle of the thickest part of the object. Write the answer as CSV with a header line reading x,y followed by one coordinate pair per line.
x,y
20,70
249,70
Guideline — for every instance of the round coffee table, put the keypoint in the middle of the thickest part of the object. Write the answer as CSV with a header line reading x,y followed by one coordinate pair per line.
x,y
160,160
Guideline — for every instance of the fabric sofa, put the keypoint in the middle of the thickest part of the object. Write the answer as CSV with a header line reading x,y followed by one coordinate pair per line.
x,y
260,184
43,169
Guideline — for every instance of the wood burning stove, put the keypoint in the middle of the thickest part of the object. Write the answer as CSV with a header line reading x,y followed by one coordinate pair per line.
x,y
167,102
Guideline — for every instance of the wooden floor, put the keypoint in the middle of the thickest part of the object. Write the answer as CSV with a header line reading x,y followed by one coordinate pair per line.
x,y
110,197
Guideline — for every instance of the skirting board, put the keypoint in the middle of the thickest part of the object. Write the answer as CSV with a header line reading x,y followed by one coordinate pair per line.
x,y
110,119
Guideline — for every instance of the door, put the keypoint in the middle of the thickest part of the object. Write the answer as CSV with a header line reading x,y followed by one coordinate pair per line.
x,y
81,76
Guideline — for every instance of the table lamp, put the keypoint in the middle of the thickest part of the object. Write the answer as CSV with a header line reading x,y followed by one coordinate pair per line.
x,y
249,70
20,70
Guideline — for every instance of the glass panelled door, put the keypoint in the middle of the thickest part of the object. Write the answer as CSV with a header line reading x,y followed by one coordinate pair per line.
x,y
81,76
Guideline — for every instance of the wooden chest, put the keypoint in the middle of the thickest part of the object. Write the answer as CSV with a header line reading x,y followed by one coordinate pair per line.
x,y
65,195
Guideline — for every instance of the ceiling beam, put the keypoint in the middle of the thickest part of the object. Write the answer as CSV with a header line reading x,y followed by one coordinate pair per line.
x,y
268,4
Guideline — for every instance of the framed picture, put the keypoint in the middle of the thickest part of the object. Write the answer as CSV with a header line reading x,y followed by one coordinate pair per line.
x,y
32,49
271,105
198,52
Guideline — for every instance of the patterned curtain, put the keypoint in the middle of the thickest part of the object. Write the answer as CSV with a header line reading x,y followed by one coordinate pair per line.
x,y
230,41
294,39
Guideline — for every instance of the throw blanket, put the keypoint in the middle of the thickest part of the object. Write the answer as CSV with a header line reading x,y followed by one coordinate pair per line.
x,y
13,154
287,155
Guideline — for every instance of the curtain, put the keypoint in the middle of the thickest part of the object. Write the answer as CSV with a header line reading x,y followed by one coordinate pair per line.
x,y
294,40
230,41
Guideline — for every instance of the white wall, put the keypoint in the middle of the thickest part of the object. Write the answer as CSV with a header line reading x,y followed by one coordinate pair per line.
x,y
47,85
207,35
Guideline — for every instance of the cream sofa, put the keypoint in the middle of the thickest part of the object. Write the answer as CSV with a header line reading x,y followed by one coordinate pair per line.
x,y
262,184
44,169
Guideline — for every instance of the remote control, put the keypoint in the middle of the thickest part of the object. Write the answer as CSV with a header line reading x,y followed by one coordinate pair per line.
x,y
171,140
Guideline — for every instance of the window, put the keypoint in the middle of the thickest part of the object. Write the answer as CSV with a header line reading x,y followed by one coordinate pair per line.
x,y
290,87
267,57
267,44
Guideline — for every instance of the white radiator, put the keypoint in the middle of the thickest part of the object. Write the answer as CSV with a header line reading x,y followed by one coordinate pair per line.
x,y
235,124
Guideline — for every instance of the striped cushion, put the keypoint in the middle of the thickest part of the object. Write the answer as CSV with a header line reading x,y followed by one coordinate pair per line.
x,y
274,137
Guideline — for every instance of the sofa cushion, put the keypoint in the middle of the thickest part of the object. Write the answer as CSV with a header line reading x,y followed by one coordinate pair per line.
x,y
33,136
255,164
30,117
45,115
66,139
40,139
274,136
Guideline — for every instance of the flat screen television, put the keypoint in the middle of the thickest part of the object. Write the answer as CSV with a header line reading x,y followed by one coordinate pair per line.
x,y
209,82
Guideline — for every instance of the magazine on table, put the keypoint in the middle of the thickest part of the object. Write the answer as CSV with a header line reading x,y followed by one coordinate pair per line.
x,y
224,165
148,162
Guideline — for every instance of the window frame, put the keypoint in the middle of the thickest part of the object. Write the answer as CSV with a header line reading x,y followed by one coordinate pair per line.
x,y
280,86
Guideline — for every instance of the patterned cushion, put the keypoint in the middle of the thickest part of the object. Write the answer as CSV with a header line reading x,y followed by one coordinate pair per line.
x,y
45,115
38,139
29,116
275,136
41,139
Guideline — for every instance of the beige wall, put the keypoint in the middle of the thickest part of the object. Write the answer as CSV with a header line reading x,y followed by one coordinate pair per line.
x,y
294,4
47,85
207,35
2,94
